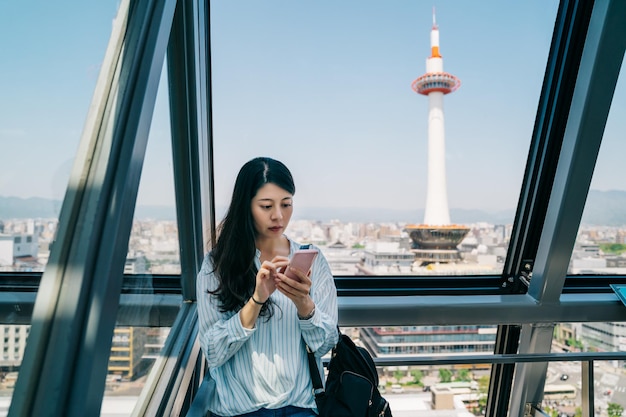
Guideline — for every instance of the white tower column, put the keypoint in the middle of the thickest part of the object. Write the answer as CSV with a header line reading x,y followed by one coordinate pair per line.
x,y
437,212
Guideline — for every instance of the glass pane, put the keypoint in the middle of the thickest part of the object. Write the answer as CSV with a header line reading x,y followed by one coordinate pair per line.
x,y
563,389
417,390
609,380
133,354
326,87
49,74
152,249
601,242
590,337
609,392
153,246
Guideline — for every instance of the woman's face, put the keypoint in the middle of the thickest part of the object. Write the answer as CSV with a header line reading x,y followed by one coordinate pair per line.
x,y
271,210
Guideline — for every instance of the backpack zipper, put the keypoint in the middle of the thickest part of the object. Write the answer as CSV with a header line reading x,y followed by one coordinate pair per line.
x,y
369,402
382,412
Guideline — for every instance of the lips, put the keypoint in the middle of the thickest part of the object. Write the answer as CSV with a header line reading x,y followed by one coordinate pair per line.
x,y
276,228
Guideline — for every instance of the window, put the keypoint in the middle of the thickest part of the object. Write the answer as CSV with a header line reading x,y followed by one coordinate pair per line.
x,y
601,242
50,76
337,107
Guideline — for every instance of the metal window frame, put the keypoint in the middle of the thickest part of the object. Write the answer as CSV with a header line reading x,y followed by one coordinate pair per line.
x,y
83,282
65,362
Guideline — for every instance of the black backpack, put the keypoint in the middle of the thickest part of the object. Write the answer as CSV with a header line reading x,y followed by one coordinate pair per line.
x,y
351,385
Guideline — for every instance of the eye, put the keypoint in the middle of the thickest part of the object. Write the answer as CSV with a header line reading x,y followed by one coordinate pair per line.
x,y
286,205
266,207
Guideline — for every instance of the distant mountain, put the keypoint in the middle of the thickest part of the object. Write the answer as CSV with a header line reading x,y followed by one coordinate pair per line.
x,y
369,215
44,208
28,208
14,207
606,208
603,208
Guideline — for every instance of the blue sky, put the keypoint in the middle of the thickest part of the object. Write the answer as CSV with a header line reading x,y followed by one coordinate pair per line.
x,y
323,86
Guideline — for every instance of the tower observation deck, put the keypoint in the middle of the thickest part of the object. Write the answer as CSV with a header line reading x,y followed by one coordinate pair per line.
x,y
436,240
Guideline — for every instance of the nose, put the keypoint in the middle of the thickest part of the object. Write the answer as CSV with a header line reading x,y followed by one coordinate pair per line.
x,y
277,214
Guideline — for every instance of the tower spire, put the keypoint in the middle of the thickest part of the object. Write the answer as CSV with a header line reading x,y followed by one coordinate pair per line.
x,y
434,38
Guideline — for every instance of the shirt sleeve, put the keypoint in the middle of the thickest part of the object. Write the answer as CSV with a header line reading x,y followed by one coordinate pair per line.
x,y
320,331
220,334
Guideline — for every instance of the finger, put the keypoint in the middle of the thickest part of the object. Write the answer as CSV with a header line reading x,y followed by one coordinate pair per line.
x,y
302,277
293,294
278,259
288,291
271,267
294,286
280,262
268,265
264,273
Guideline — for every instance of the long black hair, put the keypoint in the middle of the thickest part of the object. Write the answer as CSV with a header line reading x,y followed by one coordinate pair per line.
x,y
235,249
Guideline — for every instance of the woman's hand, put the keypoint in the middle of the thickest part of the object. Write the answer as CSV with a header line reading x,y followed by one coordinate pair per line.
x,y
297,290
265,278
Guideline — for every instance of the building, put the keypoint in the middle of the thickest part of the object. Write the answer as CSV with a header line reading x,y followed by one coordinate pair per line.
x,y
6,250
12,345
428,340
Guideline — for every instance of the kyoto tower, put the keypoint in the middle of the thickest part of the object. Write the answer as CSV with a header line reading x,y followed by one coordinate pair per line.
x,y
436,240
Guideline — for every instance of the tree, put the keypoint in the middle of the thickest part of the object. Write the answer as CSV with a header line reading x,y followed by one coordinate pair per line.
x,y
574,343
483,388
615,410
463,375
445,375
613,248
483,384
417,376
398,375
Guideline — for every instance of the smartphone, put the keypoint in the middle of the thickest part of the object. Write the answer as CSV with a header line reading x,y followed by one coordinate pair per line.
x,y
302,260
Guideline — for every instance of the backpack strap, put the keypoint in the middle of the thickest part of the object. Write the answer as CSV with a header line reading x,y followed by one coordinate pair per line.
x,y
316,380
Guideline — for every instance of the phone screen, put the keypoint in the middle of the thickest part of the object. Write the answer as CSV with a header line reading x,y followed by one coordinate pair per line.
x,y
301,260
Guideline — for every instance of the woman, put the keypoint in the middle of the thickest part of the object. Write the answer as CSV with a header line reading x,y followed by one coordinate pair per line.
x,y
254,320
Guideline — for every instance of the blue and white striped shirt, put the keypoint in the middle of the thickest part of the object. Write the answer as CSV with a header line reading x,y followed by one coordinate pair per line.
x,y
266,366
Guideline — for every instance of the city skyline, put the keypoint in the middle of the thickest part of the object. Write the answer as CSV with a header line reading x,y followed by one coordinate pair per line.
x,y
324,88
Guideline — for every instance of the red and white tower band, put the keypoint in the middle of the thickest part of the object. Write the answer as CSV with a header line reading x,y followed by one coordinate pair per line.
x,y
436,239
